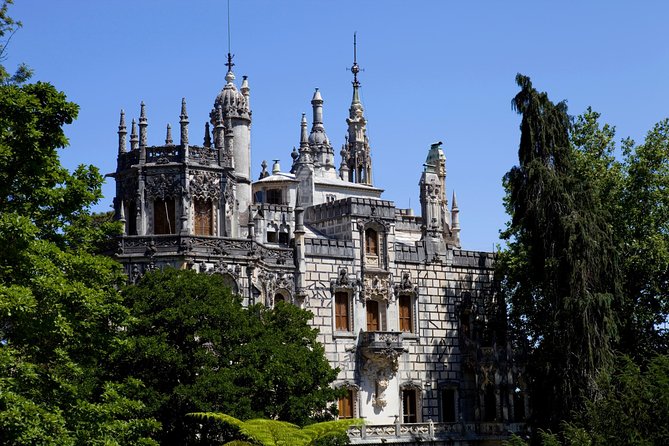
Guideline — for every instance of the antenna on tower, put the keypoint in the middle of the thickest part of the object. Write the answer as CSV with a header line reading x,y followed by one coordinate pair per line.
x,y
355,69
230,55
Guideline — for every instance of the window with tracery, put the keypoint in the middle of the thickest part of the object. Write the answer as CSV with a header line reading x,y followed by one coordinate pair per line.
x,y
203,224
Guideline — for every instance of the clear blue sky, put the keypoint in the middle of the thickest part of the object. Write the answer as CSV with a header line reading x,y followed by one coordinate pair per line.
x,y
434,70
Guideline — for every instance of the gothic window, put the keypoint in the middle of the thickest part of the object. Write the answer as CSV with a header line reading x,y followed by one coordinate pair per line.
x,y
164,221
448,402
375,315
343,312
371,242
203,211
406,316
489,403
409,406
284,235
274,196
346,405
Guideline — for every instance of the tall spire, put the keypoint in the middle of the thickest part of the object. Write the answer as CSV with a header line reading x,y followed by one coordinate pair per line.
x,y
168,136
357,151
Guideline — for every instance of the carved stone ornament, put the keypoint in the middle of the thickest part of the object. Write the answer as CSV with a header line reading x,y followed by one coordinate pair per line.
x,y
380,367
128,189
343,282
376,286
205,185
271,282
406,285
163,186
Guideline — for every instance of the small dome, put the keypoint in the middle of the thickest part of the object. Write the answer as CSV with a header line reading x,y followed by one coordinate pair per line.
x,y
318,137
231,100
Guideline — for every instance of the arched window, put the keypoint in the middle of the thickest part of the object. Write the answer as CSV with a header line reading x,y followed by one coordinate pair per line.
x,y
278,297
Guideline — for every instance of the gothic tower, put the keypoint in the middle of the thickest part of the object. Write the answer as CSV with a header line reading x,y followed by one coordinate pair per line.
x,y
356,150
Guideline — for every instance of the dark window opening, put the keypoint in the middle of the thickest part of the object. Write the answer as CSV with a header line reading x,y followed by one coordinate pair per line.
x,y
448,405
283,238
131,218
271,237
274,196
164,221
490,403
519,406
278,297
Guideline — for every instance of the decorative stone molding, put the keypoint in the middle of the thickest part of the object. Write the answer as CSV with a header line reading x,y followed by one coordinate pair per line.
x,y
270,283
163,186
376,286
205,185
380,354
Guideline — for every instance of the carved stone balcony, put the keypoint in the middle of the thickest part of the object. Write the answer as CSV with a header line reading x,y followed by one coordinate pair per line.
x,y
380,352
435,433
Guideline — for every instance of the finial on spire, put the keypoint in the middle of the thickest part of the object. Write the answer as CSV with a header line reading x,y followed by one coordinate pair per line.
x,y
207,135
168,136
183,121
134,139
121,133
143,124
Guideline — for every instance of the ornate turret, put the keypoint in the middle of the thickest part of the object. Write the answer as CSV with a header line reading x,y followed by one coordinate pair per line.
x,y
433,202
358,152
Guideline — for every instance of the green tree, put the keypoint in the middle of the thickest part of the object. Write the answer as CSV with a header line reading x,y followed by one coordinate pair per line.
x,y
560,271
645,227
277,433
60,312
198,350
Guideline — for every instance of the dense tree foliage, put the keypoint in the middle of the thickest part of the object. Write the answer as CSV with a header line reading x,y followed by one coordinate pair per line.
x,y
274,433
561,269
60,312
197,349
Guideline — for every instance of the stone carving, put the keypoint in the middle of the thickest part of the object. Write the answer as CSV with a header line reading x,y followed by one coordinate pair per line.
x,y
162,186
380,366
205,185
376,286
406,285
343,282
270,283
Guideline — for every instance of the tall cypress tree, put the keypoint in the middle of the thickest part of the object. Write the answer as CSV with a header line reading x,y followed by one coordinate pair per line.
x,y
560,270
